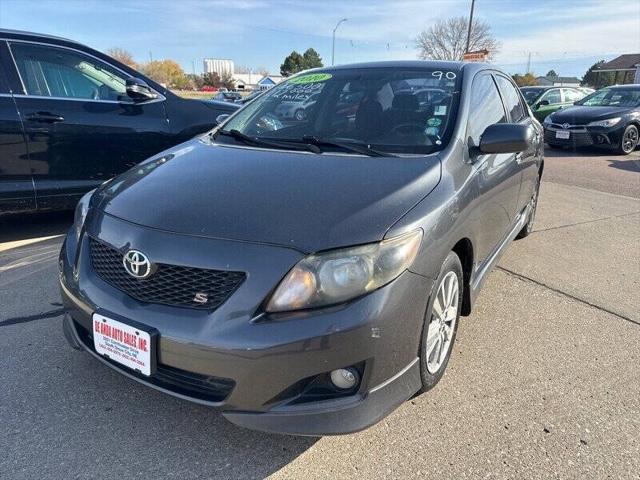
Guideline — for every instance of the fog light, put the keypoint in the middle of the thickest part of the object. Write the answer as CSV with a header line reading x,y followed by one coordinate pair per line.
x,y
345,378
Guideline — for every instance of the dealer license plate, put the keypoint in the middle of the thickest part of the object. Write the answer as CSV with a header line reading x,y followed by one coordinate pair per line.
x,y
563,134
122,343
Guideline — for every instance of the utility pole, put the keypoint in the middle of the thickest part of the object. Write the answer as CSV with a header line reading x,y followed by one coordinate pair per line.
x,y
466,50
333,44
529,63
150,56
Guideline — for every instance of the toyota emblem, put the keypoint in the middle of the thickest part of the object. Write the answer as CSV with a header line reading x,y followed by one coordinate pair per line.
x,y
565,126
137,264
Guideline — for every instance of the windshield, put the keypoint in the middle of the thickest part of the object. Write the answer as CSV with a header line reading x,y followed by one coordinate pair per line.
x,y
613,97
530,94
392,110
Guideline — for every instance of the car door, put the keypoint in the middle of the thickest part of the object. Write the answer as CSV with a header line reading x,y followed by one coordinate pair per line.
x,y
81,127
496,176
16,185
548,103
525,161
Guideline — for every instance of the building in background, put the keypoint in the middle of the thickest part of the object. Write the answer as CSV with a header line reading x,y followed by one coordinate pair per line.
x,y
268,81
626,68
221,66
558,81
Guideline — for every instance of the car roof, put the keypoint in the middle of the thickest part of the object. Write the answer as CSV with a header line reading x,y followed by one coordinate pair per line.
x,y
23,34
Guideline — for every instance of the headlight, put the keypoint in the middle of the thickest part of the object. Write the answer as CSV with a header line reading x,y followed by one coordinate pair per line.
x,y
609,122
547,120
81,213
340,275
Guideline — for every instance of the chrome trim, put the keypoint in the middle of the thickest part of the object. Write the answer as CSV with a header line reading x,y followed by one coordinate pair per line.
x,y
9,41
160,98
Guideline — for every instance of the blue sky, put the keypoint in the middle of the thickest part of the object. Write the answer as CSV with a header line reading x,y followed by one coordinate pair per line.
x,y
567,35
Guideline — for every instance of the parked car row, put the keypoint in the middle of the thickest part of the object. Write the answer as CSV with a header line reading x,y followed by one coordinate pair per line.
x,y
608,118
72,117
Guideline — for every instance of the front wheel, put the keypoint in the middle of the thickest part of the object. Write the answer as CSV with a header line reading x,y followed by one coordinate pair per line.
x,y
441,322
629,140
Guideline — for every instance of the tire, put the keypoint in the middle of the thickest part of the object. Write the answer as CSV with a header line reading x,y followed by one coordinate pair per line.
x,y
528,228
433,331
629,140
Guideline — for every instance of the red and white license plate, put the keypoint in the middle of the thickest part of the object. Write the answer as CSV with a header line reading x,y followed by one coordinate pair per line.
x,y
122,343
563,134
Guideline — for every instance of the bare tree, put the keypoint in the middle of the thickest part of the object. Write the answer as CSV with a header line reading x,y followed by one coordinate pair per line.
x,y
122,56
241,69
446,40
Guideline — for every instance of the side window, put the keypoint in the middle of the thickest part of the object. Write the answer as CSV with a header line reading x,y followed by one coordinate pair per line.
x,y
511,99
57,72
571,95
552,96
485,109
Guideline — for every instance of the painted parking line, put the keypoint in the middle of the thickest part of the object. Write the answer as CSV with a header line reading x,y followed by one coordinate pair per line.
x,y
21,243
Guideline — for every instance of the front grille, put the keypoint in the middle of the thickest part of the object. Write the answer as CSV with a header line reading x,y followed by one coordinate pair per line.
x,y
172,285
194,385
576,138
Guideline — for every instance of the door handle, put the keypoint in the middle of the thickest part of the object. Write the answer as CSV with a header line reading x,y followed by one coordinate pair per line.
x,y
45,117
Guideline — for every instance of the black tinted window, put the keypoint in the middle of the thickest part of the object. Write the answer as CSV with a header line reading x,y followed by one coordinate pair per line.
x,y
511,99
486,107
58,72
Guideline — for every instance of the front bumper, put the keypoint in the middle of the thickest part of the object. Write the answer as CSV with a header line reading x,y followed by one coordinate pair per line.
x,y
261,358
584,136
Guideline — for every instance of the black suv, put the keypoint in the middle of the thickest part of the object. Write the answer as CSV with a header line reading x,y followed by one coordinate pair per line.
x,y
72,117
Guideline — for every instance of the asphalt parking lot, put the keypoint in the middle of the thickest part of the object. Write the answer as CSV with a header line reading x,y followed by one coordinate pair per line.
x,y
544,381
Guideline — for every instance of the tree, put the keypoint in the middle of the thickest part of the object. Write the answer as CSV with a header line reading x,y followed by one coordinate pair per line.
x,y
196,81
294,63
121,55
166,72
226,81
526,80
446,40
311,59
598,80
552,73
211,79
262,71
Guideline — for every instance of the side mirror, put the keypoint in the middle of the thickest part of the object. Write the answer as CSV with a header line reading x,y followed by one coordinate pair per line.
x,y
139,91
506,138
541,103
221,118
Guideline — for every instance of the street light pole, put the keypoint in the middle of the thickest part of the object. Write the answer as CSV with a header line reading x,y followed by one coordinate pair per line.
x,y
466,50
333,45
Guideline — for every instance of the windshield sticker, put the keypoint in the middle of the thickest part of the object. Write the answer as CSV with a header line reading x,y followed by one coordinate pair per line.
x,y
434,122
432,131
311,78
295,92
440,110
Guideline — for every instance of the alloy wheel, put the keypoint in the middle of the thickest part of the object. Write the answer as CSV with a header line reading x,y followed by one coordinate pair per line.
x,y
630,140
443,321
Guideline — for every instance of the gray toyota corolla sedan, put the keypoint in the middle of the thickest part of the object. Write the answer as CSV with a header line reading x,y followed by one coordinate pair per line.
x,y
307,275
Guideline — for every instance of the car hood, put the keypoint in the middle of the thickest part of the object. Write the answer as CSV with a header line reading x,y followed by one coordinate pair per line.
x,y
306,201
581,115
219,105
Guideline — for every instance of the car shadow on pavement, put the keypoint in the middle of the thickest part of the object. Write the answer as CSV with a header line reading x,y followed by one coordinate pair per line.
x,y
18,227
629,165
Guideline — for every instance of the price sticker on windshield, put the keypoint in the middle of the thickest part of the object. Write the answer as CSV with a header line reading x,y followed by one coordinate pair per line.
x,y
311,78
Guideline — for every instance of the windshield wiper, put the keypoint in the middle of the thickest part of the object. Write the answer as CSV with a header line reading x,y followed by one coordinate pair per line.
x,y
257,141
356,147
